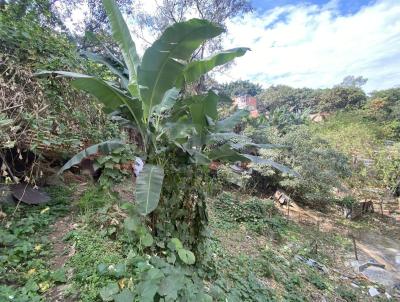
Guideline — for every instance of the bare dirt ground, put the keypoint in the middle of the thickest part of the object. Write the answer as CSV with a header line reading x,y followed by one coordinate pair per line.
x,y
377,240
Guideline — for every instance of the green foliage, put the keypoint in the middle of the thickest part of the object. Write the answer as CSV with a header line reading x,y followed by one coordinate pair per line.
x,y
194,70
315,100
258,215
320,167
114,270
363,138
282,95
94,198
94,251
284,119
241,87
49,114
347,202
341,97
175,128
347,294
384,107
25,251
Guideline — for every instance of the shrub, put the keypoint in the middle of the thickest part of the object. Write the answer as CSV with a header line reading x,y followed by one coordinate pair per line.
x,y
321,168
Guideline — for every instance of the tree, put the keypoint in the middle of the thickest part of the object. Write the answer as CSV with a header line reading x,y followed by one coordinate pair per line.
x,y
168,12
352,81
241,87
282,95
180,134
340,97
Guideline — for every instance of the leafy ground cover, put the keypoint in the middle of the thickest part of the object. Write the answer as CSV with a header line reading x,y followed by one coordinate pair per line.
x,y
26,250
273,257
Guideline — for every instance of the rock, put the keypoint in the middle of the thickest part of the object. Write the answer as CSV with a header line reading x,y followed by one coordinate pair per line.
x,y
380,276
373,292
372,262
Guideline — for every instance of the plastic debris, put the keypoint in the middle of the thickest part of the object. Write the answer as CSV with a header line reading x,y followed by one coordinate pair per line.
x,y
373,292
29,195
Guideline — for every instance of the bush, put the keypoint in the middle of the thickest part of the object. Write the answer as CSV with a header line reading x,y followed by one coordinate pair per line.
x,y
321,168
44,115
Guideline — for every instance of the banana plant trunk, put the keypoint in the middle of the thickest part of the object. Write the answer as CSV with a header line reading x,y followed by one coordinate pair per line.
x,y
182,211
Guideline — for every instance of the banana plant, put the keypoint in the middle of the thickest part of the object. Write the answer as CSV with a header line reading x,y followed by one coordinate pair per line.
x,y
151,95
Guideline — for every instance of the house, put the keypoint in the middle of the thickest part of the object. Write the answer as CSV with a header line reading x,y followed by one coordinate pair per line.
x,y
247,102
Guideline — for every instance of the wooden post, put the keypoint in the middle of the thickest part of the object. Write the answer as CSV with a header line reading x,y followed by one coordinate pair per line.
x,y
355,246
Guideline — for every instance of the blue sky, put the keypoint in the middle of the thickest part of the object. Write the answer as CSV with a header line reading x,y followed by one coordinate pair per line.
x,y
317,43
311,43
345,7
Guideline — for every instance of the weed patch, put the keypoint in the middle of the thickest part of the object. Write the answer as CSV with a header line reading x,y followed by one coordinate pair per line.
x,y
25,249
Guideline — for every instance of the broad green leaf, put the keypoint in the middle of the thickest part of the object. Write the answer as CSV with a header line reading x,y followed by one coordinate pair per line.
x,y
230,122
110,65
268,162
147,290
122,36
119,270
125,296
176,243
147,239
170,286
131,224
168,101
201,109
163,62
194,70
111,97
107,292
59,275
199,158
104,148
238,146
225,136
102,268
186,256
226,153
180,129
148,188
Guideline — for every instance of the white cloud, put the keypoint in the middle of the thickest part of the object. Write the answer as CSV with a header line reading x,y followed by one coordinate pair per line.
x,y
309,45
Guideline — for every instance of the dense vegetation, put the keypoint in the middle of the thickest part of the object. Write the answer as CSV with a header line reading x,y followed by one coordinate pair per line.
x,y
178,204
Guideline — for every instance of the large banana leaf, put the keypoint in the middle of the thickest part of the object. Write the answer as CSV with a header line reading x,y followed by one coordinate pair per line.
x,y
148,188
111,65
122,36
230,122
111,97
238,146
168,101
227,154
194,70
213,138
268,162
163,62
205,107
103,148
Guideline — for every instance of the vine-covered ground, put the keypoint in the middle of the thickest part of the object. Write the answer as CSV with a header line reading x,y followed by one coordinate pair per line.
x,y
68,250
